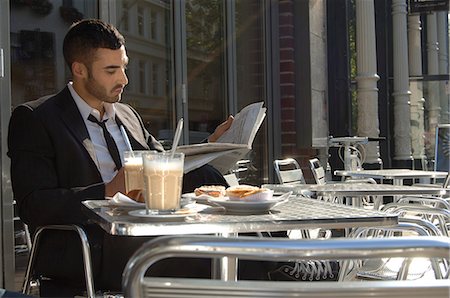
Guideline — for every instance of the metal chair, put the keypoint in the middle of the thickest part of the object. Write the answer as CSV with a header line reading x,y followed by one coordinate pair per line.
x,y
318,171
288,171
21,234
394,268
319,175
437,216
30,275
135,284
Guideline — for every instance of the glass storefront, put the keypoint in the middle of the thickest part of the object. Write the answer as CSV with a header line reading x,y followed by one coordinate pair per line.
x,y
197,59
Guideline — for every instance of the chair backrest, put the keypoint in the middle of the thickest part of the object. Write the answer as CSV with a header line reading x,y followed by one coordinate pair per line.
x,y
446,183
136,285
317,170
188,288
442,160
30,273
378,269
438,216
288,171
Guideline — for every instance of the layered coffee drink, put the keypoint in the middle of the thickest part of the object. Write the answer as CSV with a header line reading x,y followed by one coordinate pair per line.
x,y
163,180
134,175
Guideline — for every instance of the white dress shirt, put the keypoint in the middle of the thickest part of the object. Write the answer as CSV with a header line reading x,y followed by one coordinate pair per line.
x,y
105,162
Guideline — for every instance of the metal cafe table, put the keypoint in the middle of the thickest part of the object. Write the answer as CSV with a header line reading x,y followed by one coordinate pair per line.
x,y
396,175
356,190
295,213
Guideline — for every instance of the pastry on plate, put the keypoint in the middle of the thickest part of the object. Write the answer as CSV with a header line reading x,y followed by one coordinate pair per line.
x,y
210,190
248,193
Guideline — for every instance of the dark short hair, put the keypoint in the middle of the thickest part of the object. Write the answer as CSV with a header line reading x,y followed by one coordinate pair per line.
x,y
85,36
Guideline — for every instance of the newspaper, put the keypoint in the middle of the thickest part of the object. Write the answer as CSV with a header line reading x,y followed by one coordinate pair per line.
x,y
232,146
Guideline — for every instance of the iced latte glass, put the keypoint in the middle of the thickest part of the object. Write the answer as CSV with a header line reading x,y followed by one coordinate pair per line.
x,y
134,174
163,177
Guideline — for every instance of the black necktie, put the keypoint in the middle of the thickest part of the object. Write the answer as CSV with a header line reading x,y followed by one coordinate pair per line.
x,y
112,146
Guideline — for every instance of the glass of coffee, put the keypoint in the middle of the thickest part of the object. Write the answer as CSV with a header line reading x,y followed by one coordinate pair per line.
x,y
163,180
134,174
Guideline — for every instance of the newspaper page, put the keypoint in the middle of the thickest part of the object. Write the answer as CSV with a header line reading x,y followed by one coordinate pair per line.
x,y
219,155
245,125
232,146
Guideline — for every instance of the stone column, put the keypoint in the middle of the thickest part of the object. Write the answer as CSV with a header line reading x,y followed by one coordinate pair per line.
x,y
401,94
443,64
416,86
367,91
431,88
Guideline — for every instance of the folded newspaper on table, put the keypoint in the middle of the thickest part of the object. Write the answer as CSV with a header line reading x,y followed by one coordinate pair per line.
x,y
232,146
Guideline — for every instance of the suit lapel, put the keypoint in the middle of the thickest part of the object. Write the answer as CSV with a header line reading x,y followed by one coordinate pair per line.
x,y
125,117
71,116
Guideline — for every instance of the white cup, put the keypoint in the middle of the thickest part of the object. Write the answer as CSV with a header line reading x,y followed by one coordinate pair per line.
x,y
163,180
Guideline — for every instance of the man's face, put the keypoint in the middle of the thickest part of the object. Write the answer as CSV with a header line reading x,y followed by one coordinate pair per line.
x,y
106,75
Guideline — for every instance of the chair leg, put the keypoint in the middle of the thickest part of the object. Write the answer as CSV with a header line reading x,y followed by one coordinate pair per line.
x,y
85,250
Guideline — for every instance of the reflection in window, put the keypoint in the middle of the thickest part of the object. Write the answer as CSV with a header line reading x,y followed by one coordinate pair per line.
x,y
155,79
150,86
250,77
140,20
142,76
153,25
205,59
125,17
37,32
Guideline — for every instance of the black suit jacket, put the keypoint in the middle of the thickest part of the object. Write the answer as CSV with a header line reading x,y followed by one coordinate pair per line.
x,y
53,165
53,169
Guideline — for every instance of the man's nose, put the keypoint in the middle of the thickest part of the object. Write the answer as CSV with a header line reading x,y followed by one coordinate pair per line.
x,y
123,78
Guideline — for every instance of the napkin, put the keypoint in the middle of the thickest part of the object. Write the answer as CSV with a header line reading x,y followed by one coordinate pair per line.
x,y
121,199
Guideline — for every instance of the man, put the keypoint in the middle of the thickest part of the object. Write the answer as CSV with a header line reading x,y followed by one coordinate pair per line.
x,y
60,157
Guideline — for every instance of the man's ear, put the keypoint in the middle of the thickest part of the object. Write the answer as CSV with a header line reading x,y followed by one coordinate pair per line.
x,y
79,70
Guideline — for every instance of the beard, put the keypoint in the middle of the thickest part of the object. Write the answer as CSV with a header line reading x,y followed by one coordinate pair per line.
x,y
100,92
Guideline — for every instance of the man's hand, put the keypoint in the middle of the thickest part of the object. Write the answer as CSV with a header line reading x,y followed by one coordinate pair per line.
x,y
117,184
137,195
223,127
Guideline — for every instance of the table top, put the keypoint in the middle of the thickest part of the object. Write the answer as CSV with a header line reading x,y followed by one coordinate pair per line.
x,y
392,174
356,189
295,213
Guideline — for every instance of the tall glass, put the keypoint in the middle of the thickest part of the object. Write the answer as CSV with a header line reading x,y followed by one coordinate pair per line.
x,y
134,174
163,180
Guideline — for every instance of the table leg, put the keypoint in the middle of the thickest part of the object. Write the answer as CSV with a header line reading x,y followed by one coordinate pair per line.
x,y
225,268
398,181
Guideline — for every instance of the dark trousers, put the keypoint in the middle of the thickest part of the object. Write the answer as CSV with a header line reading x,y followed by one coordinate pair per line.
x,y
117,250
60,257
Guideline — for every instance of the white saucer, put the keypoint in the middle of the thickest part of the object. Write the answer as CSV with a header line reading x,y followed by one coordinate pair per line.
x,y
187,210
162,216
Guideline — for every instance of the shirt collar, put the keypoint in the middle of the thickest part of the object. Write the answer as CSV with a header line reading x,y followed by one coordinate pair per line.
x,y
86,110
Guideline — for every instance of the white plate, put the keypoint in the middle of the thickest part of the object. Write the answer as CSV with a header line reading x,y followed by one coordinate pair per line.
x,y
250,207
189,195
124,201
201,198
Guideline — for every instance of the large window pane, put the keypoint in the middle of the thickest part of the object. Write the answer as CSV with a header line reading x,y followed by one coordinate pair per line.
x,y
146,28
250,75
205,66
